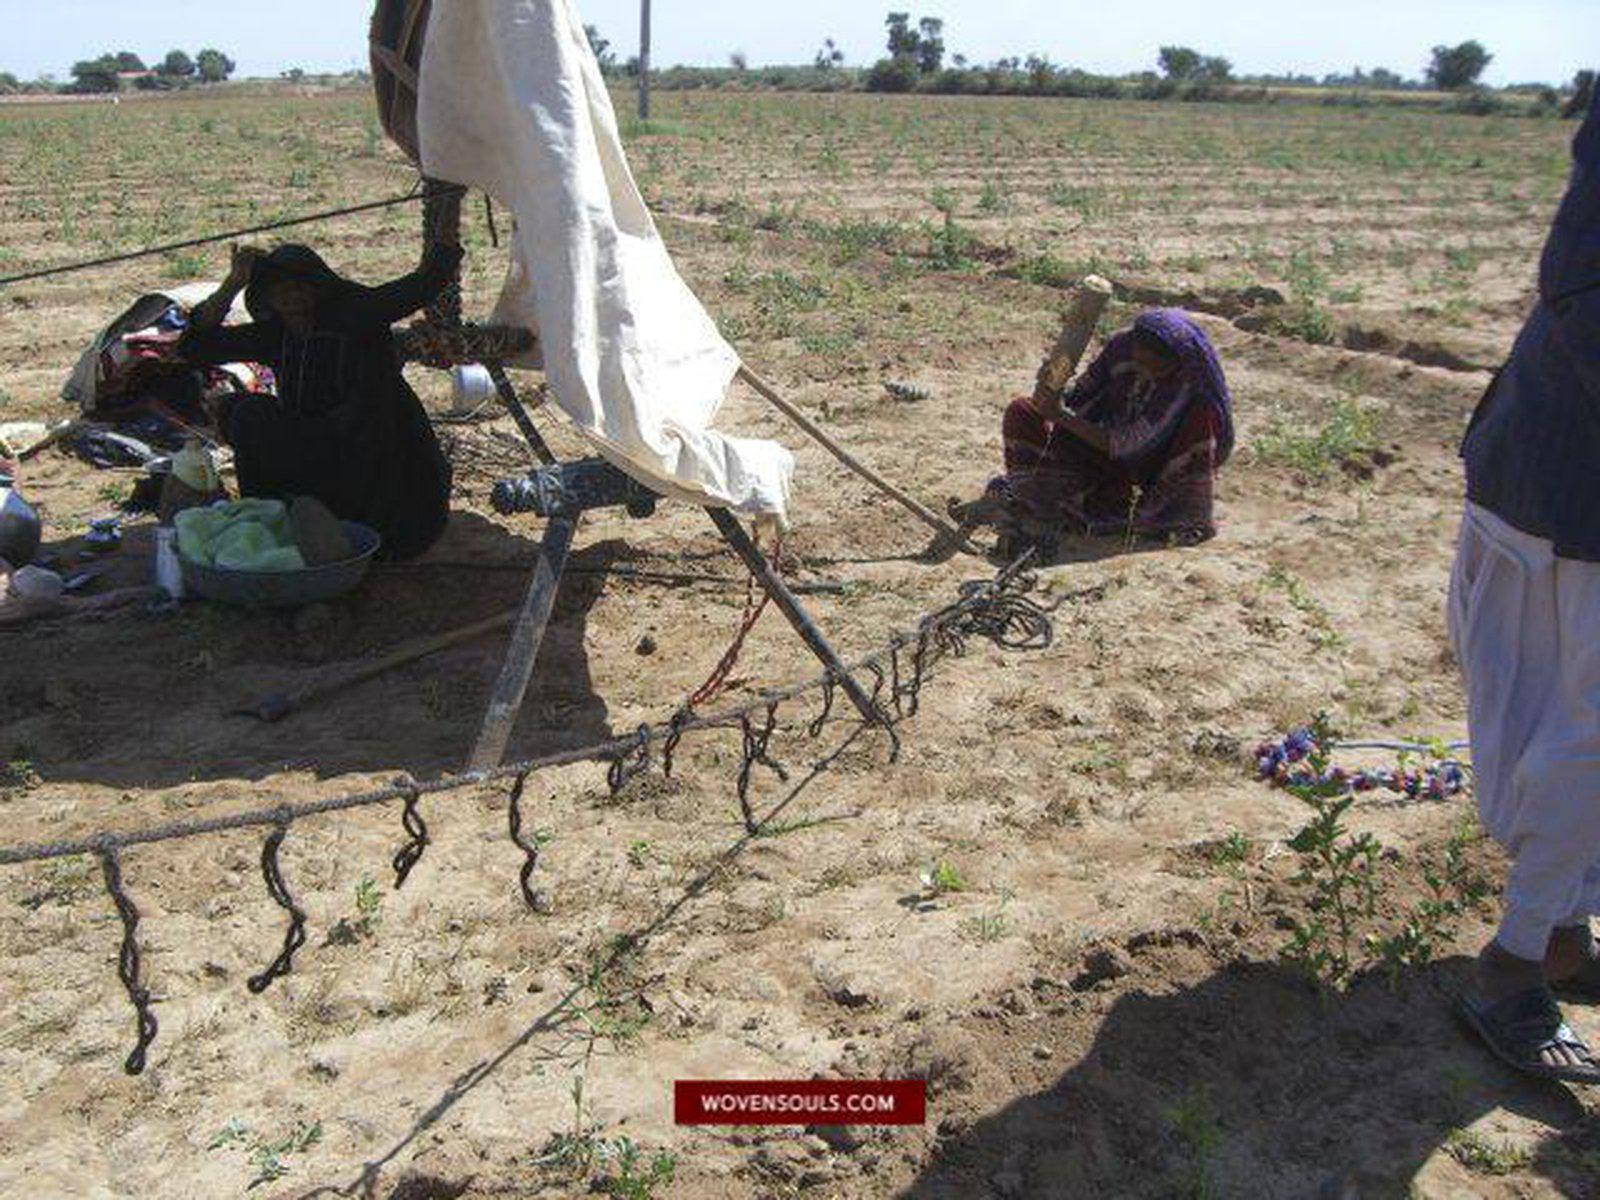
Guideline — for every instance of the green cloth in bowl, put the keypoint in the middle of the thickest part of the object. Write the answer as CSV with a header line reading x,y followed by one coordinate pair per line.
x,y
246,535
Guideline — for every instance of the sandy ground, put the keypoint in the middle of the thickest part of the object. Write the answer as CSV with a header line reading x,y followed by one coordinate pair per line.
x,y
1099,1010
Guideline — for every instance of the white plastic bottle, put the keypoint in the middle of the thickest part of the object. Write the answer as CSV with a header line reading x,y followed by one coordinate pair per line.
x,y
169,571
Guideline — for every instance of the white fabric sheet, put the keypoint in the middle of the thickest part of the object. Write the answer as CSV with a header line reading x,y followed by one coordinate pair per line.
x,y
1526,627
513,102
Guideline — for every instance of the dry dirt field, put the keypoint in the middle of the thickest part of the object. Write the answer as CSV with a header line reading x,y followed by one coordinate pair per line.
x,y
1094,982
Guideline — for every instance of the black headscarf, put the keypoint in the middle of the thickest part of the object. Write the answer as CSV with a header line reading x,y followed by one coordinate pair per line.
x,y
296,262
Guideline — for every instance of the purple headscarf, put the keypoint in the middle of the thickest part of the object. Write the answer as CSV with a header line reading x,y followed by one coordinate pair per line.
x,y
1199,365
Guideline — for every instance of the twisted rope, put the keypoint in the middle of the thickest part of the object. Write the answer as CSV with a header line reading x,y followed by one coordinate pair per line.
x,y
212,239
529,848
128,964
295,936
409,855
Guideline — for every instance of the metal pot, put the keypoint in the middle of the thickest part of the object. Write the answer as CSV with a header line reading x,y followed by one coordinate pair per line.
x,y
20,529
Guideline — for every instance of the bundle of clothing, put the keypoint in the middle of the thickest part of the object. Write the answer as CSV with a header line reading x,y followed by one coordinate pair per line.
x,y
137,403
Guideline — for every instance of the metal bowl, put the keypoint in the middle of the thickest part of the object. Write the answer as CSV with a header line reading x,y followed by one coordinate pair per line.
x,y
285,589
19,526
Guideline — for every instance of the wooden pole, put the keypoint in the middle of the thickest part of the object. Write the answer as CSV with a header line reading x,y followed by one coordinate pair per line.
x,y
813,430
728,525
644,60
512,686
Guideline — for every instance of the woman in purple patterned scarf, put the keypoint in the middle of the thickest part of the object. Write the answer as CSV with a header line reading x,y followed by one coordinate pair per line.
x,y
1132,447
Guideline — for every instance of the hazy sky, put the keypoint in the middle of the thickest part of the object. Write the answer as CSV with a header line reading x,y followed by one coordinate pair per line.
x,y
1531,39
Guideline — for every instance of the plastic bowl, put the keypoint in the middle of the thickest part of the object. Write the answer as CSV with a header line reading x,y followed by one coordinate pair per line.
x,y
285,589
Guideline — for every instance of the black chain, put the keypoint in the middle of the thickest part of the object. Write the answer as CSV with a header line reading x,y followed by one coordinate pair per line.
x,y
409,855
295,936
128,962
535,900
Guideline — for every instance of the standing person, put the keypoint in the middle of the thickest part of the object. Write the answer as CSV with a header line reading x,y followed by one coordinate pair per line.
x,y
1133,446
345,427
1525,620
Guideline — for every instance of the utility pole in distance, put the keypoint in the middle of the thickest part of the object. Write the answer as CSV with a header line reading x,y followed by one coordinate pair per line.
x,y
644,60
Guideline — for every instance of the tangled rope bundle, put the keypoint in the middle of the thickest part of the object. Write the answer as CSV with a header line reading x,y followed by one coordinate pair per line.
x,y
999,611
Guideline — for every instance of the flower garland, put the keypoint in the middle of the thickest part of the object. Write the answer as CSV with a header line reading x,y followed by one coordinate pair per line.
x,y
1301,760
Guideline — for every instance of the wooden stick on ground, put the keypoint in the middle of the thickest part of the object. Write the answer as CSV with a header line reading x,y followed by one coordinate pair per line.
x,y
820,436
278,705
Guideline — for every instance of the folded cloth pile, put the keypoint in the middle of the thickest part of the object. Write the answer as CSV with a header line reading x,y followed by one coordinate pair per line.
x,y
246,535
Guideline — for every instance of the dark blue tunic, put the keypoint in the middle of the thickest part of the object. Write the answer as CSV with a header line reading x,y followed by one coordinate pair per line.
x,y
1533,451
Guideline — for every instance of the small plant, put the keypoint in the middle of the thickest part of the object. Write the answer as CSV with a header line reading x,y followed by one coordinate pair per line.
x,y
1323,634
994,198
1194,1122
636,1177
1453,890
1482,1157
19,773
64,881
942,879
186,265
267,1157
1339,868
1348,439
1306,319
369,904
1231,851
951,245
984,928
640,854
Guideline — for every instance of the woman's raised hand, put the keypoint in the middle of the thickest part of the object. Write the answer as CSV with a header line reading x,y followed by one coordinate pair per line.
x,y
244,262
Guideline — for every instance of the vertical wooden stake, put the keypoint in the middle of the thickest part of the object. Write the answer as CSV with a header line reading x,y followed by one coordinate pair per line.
x,y
523,652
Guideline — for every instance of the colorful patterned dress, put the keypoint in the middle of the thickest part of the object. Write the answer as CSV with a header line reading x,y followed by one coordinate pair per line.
x,y
1167,440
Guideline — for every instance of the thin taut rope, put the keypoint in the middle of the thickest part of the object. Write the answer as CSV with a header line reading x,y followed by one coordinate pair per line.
x,y
151,251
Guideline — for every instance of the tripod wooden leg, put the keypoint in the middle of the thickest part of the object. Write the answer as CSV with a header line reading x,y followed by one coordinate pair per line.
x,y
523,652
519,413
728,525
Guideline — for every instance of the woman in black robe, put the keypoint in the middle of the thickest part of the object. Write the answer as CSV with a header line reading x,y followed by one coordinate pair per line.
x,y
344,426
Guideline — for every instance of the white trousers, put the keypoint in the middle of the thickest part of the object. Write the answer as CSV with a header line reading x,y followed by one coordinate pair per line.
x,y
1526,628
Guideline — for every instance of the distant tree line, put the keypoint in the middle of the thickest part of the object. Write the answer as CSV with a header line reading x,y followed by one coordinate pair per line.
x,y
918,61
113,71
108,72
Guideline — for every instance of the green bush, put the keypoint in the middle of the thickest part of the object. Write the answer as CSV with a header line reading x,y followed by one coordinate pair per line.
x,y
893,75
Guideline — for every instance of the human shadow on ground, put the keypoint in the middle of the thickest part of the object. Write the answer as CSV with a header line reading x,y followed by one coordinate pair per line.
x,y
137,698
1251,1083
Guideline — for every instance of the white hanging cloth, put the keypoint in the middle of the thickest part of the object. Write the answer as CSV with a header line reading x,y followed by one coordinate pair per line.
x,y
512,102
